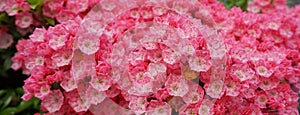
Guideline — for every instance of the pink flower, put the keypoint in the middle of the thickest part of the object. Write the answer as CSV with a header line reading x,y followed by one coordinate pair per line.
x,y
51,8
27,47
77,6
44,49
65,15
138,105
241,72
206,108
103,68
141,78
188,110
44,92
215,88
75,101
27,95
135,69
53,101
6,39
10,6
155,69
58,36
2,5
58,76
93,2
264,68
253,109
248,92
73,25
39,35
24,19
158,108
232,87
34,61
267,84
195,94
137,56
219,107
113,91
17,61
200,63
94,96
149,43
40,71
154,55
62,57
100,83
261,99
68,84
170,56
161,94
177,85
88,43
141,89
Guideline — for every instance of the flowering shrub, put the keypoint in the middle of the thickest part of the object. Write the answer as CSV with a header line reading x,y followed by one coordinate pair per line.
x,y
159,56
18,19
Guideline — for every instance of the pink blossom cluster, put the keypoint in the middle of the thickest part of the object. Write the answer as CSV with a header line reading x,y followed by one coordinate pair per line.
x,y
155,56
20,9
12,7
61,10
6,39
264,6
26,17
64,10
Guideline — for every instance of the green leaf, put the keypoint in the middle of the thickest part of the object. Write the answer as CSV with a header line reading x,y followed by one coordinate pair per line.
x,y
9,111
242,4
7,64
228,6
36,103
5,101
15,33
23,106
239,3
19,91
292,3
16,9
35,3
2,95
50,21
2,50
4,17
2,92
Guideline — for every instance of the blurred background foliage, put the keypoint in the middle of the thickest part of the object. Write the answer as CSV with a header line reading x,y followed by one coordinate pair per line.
x,y
239,3
11,81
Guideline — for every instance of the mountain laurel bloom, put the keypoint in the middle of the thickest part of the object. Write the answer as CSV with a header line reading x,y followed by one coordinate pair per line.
x,y
24,19
156,56
6,39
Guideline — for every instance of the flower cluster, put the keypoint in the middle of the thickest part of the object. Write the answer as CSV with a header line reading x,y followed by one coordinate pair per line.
x,y
6,39
155,56
29,13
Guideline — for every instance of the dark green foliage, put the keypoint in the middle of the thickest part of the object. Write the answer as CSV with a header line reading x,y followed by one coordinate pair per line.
x,y
239,3
292,3
11,103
